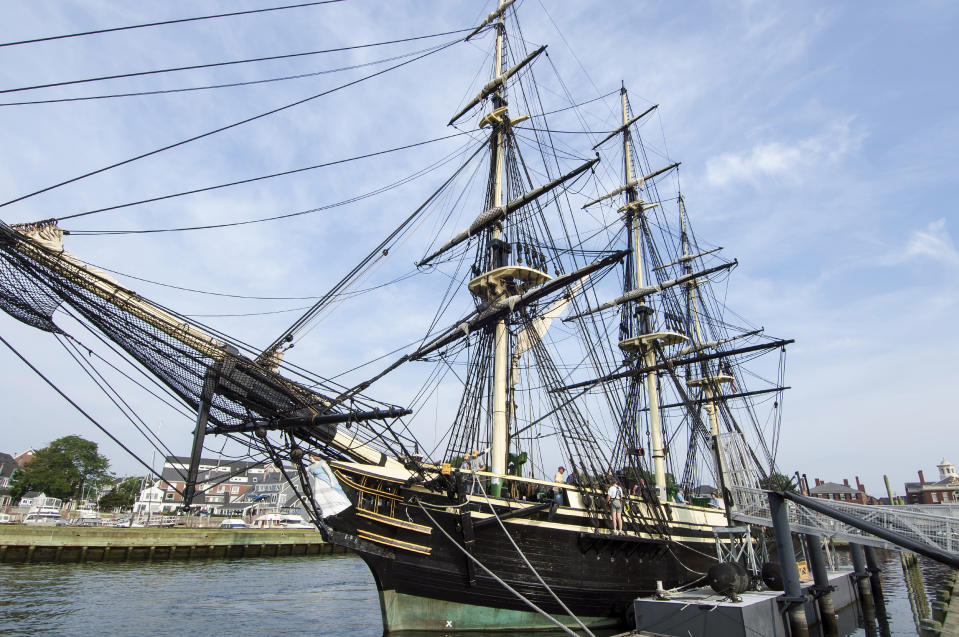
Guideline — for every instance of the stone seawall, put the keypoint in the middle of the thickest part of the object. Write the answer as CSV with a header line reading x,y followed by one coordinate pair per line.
x,y
20,543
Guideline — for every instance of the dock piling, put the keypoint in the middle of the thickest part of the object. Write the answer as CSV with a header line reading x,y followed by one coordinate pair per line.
x,y
792,597
821,588
872,565
861,574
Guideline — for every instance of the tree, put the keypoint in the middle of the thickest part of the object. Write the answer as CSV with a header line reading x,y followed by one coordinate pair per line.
x,y
779,482
61,469
122,495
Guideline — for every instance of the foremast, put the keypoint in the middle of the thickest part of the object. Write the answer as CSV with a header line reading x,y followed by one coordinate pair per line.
x,y
500,430
501,279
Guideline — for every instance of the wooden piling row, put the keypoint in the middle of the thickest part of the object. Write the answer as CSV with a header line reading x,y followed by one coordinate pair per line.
x,y
81,544
945,619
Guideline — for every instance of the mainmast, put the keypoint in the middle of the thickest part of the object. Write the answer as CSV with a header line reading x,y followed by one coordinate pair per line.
x,y
647,341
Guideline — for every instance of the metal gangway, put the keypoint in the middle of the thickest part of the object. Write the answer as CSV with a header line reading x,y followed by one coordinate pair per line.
x,y
890,527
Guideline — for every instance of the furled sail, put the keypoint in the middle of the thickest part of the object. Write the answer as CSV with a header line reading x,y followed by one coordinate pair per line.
x,y
638,294
493,215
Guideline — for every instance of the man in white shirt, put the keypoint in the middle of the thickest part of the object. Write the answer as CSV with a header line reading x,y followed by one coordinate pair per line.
x,y
614,498
557,490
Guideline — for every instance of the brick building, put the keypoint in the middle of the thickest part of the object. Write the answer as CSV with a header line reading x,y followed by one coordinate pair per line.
x,y
842,492
221,484
944,490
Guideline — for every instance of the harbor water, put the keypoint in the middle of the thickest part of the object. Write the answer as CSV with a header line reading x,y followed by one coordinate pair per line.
x,y
319,595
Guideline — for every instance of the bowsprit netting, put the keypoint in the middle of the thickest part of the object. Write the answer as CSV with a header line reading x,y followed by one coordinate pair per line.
x,y
207,373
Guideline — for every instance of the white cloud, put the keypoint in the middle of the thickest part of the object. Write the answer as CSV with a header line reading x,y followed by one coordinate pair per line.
x,y
932,242
786,162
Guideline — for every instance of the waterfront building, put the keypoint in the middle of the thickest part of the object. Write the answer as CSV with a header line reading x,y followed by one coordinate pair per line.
x,y
273,494
943,491
38,499
23,459
8,466
222,485
842,492
150,501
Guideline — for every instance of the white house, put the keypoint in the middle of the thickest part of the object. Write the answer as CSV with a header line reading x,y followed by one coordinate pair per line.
x,y
38,500
150,501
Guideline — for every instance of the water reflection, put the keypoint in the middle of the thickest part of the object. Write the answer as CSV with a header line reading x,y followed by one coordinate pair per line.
x,y
897,611
321,595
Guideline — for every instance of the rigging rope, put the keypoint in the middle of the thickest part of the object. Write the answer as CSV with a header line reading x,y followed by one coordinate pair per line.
x,y
85,414
522,555
230,63
165,22
188,89
336,204
226,127
492,574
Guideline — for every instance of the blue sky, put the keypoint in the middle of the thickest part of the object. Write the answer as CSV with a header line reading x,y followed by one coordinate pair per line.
x,y
818,143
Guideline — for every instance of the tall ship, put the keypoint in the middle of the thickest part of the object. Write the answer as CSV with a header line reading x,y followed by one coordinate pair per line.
x,y
582,324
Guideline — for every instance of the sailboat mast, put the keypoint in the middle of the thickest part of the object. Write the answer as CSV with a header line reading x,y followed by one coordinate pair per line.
x,y
501,366
634,210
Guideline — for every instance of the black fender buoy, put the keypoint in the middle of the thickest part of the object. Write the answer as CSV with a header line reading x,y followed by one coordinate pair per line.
x,y
728,578
772,575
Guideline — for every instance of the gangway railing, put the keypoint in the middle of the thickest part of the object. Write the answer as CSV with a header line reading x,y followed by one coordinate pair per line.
x,y
940,532
911,527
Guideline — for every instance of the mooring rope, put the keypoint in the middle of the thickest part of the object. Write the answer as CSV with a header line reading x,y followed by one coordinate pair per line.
x,y
493,575
519,551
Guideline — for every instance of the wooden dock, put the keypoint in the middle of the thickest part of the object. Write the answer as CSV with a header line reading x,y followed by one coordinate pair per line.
x,y
945,611
20,543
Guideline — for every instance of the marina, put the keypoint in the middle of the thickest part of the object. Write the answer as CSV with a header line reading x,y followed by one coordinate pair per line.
x,y
92,544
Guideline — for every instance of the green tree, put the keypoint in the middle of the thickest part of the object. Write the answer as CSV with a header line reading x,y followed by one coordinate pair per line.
x,y
61,469
122,495
779,482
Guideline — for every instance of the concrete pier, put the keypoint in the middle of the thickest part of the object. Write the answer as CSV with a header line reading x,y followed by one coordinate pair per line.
x,y
703,613
95,544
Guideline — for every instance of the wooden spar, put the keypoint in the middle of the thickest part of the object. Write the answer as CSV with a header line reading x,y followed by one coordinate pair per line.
x,y
722,397
476,320
494,84
79,273
623,128
499,212
692,349
642,292
685,361
511,304
496,13
231,372
687,258
632,183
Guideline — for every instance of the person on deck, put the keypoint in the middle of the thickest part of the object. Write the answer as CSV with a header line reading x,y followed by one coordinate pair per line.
x,y
680,498
574,477
471,464
614,498
558,491
714,501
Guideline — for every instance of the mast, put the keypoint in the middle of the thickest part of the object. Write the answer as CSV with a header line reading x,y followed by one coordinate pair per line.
x,y
711,384
646,341
501,367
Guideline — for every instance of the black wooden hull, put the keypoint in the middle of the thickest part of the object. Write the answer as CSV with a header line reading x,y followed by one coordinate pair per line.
x,y
426,581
